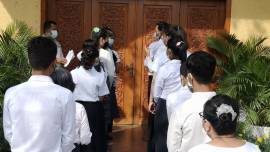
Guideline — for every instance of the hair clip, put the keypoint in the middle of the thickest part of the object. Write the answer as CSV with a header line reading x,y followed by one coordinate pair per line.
x,y
179,43
96,29
224,108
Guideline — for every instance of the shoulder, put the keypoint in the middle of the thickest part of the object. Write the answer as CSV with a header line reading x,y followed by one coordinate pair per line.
x,y
200,148
14,89
252,147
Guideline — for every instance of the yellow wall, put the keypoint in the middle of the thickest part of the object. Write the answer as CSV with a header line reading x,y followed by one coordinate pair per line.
x,y
250,17
24,10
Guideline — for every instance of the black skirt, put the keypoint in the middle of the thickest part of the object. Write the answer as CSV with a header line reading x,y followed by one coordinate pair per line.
x,y
161,124
95,114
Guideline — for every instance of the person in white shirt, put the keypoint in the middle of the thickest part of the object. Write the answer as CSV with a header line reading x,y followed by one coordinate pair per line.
x,y
39,115
176,99
50,30
90,91
62,77
219,118
185,127
167,81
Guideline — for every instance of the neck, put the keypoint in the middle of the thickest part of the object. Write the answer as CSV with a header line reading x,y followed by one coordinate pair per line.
x,y
41,72
217,137
202,88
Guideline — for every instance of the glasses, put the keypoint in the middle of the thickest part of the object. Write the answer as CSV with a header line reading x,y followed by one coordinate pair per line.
x,y
201,115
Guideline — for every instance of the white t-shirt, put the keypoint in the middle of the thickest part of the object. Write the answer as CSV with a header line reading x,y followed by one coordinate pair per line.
x,y
248,147
90,84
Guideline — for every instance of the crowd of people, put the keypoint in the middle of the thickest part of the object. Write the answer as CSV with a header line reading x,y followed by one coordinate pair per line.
x,y
186,113
61,111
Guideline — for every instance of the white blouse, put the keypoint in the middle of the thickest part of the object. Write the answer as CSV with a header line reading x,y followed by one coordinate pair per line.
x,y
39,116
176,99
83,133
90,84
167,79
248,147
185,126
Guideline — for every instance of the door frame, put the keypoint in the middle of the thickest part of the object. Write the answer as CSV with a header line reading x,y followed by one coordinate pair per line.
x,y
138,116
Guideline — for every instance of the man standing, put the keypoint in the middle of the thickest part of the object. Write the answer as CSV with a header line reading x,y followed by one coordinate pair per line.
x,y
38,115
50,30
185,127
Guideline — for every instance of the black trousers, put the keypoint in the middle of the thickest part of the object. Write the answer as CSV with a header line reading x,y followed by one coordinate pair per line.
x,y
95,114
161,124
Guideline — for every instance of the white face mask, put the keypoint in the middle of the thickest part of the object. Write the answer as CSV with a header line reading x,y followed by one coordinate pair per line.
x,y
111,41
54,34
189,84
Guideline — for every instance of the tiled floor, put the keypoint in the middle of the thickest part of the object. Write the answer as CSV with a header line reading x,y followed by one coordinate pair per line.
x,y
129,139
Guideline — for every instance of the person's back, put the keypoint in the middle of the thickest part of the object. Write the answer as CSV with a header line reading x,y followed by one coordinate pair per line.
x,y
37,108
38,115
247,147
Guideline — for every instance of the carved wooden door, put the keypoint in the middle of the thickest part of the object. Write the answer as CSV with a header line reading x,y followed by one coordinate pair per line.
x,y
119,16
149,12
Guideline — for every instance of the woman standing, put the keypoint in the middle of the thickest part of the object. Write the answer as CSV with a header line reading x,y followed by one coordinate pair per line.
x,y
167,81
220,117
90,90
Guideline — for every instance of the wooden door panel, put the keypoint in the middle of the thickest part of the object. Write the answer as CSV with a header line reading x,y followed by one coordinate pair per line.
x,y
72,18
202,19
149,13
116,15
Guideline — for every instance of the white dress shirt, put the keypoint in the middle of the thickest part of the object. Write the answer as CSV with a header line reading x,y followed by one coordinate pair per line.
x,y
176,99
153,49
185,127
39,116
160,58
90,84
83,133
168,79
106,57
248,147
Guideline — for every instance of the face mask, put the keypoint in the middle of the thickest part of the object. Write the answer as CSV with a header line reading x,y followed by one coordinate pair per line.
x,y
156,36
54,34
189,83
111,41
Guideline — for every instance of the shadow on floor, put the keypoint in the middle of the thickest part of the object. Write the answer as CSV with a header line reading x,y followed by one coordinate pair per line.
x,y
128,139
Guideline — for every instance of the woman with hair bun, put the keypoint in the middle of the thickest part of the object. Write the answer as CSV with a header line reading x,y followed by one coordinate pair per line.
x,y
220,117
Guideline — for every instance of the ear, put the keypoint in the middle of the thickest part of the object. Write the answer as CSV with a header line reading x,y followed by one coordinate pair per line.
x,y
207,126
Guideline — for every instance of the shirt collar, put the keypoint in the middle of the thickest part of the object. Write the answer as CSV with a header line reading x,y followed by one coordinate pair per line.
x,y
40,78
175,61
204,94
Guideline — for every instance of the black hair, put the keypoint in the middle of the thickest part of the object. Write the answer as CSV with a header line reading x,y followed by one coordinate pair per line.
x,y
202,66
183,70
62,77
100,33
162,26
41,52
48,24
223,125
176,31
89,53
110,32
178,47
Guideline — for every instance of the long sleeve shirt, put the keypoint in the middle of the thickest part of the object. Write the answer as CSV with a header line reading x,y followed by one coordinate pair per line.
x,y
185,127
83,133
39,116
